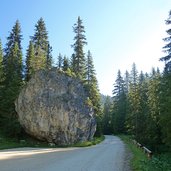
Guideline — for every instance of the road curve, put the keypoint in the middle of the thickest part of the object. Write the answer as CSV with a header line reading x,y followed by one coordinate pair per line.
x,y
106,156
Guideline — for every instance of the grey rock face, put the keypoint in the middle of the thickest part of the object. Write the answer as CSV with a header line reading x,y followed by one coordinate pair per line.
x,y
52,107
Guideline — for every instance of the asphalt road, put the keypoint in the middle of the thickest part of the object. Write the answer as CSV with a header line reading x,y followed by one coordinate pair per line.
x,y
110,155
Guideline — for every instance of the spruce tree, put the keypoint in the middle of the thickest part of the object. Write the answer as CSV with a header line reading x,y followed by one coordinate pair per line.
x,y
59,61
30,61
15,36
73,63
143,109
91,86
165,89
107,116
13,79
13,76
165,108
119,104
127,80
12,61
1,79
1,64
49,60
167,47
78,59
134,103
91,83
41,46
90,71
65,64
153,122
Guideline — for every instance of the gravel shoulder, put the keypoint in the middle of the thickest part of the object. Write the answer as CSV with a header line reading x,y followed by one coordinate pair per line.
x,y
110,155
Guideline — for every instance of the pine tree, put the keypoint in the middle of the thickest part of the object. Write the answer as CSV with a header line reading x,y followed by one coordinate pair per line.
x,y
1,78
65,64
165,89
153,103
43,58
90,71
30,60
12,61
14,37
119,104
91,83
1,64
107,116
78,58
167,47
91,86
13,79
73,63
134,103
59,61
143,109
126,80
49,59
165,108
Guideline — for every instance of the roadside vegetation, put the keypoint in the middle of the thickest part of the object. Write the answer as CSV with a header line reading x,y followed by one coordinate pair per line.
x,y
96,140
141,107
27,141
140,161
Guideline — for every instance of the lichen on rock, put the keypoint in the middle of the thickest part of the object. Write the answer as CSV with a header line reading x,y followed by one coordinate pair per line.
x,y
52,107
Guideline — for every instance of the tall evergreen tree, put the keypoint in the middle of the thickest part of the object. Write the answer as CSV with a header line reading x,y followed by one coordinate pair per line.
x,y
165,89
153,126
14,37
143,109
30,61
107,116
78,59
119,104
49,60
13,64
65,64
90,71
1,64
91,86
91,83
134,102
59,61
13,78
1,78
165,108
127,80
73,63
167,47
43,58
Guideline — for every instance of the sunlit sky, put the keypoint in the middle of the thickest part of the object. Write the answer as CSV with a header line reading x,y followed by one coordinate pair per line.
x,y
118,32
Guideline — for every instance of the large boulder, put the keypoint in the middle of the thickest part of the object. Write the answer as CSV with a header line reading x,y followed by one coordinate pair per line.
x,y
54,107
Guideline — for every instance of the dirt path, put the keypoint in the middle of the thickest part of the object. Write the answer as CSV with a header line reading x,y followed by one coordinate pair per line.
x,y
110,155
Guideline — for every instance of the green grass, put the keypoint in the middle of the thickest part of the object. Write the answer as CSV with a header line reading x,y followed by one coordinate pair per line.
x,y
96,140
7,143
140,161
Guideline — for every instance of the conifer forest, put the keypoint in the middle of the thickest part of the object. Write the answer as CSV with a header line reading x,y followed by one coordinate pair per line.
x,y
141,102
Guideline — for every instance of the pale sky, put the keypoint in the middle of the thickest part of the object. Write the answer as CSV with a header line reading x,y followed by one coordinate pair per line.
x,y
118,32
